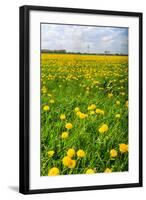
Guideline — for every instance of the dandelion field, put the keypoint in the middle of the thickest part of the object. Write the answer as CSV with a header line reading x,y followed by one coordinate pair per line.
x,y
84,114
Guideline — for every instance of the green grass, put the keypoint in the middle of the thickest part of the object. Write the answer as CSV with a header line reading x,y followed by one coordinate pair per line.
x,y
81,90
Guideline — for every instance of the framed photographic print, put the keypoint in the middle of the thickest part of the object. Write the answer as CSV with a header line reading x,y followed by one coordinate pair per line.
x,y
80,99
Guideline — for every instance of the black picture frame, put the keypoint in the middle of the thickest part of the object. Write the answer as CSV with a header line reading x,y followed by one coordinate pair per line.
x,y
25,106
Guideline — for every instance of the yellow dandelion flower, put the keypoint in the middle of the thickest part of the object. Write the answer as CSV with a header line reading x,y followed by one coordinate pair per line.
x,y
108,170
117,115
44,90
126,104
122,93
72,164
90,171
92,107
103,128
51,153
54,171
81,153
113,153
82,115
52,101
49,95
118,103
102,112
92,112
62,116
123,148
64,135
77,109
99,111
110,95
68,126
78,113
71,152
68,162
96,82
46,108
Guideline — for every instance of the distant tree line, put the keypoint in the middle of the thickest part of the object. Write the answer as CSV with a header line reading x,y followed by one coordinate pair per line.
x,y
53,51
63,51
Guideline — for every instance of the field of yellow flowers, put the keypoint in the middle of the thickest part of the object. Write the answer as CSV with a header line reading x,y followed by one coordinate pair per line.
x,y
84,114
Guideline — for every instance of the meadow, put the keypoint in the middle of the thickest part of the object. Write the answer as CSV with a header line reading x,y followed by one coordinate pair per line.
x,y
84,114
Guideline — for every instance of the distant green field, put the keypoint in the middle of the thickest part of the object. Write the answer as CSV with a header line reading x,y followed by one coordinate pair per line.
x,y
84,114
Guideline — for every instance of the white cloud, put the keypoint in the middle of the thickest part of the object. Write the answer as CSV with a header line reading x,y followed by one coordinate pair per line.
x,y
79,38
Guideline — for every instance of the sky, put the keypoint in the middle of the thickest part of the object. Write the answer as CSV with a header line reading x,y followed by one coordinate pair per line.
x,y
88,39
